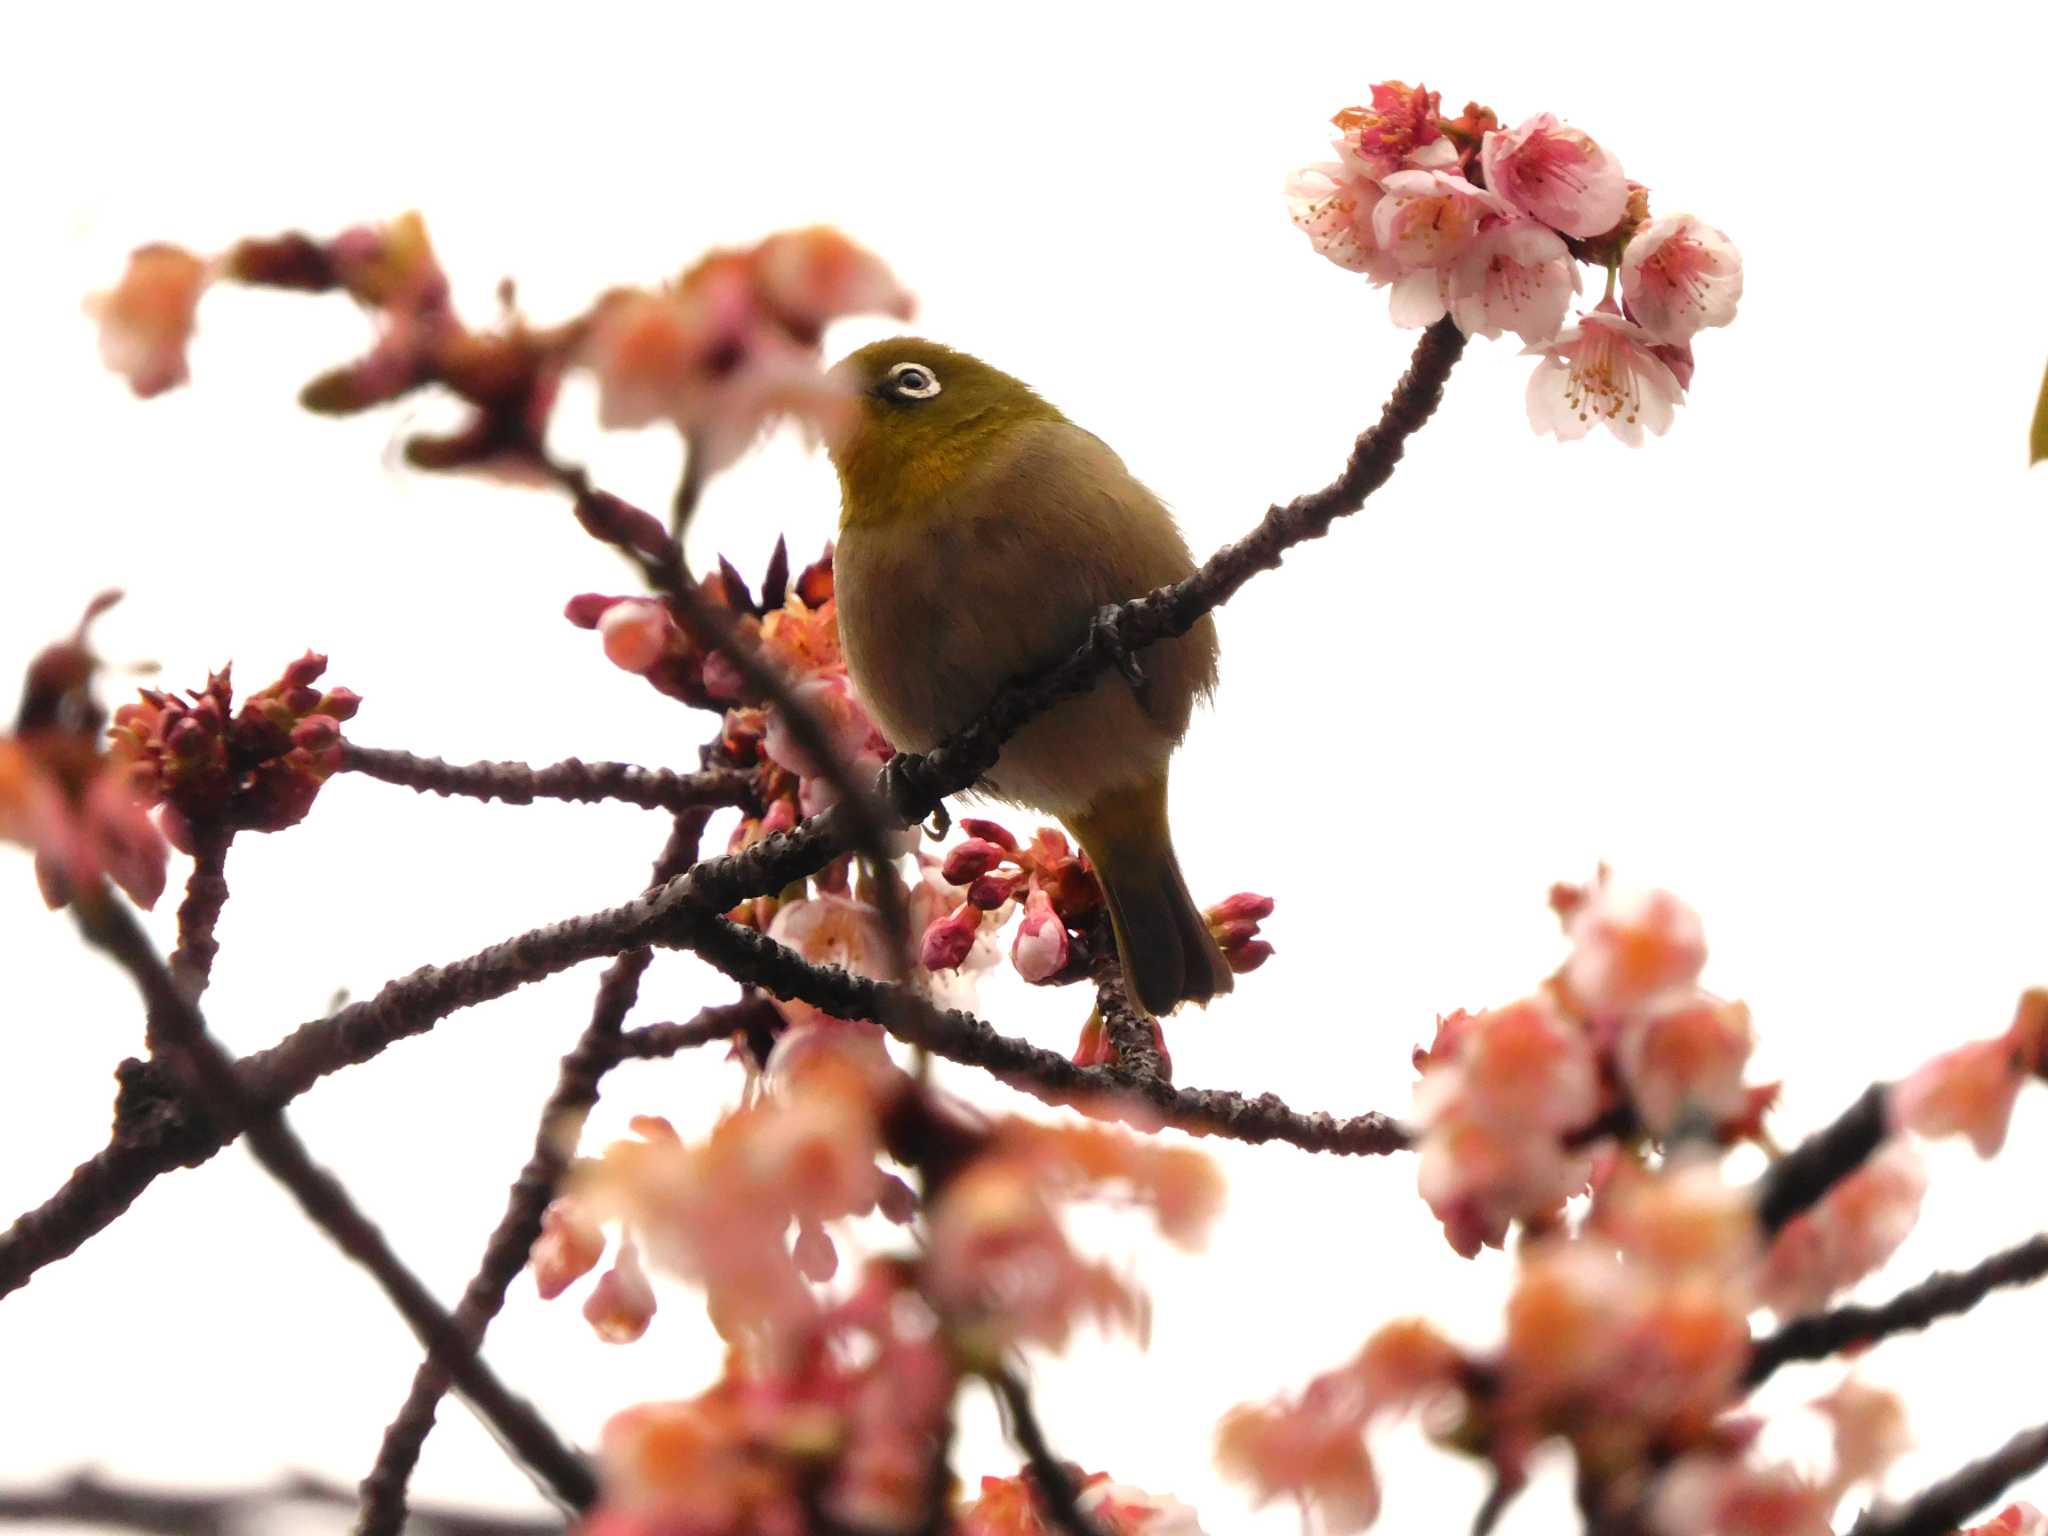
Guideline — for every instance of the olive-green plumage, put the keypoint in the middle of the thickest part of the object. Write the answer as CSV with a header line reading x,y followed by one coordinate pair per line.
x,y
980,532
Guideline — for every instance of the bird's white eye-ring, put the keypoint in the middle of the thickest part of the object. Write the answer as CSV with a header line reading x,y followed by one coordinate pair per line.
x,y
913,381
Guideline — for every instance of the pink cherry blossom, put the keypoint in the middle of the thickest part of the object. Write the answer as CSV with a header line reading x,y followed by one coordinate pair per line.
x,y
1515,277
1686,1059
1041,948
1603,371
622,1304
1377,140
147,318
571,1242
1679,276
1971,1089
1428,219
636,633
1334,208
1555,174
1869,1425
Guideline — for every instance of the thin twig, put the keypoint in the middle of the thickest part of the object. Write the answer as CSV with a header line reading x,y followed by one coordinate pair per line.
x,y
206,893
520,784
959,1036
1052,1479
576,1089
1806,1173
1941,1508
1948,1294
86,1500
111,927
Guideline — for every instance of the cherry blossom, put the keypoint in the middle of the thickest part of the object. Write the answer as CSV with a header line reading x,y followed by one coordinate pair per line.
x,y
1851,1232
1555,174
1334,207
1679,276
1603,371
1516,276
1971,1090
146,320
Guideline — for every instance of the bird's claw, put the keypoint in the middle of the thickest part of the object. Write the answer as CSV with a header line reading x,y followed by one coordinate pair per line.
x,y
1105,637
900,790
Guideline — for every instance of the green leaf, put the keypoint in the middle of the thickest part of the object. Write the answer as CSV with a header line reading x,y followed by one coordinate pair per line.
x,y
2037,440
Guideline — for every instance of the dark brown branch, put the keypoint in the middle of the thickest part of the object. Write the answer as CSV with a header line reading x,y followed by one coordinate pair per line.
x,y
1052,1479
104,1186
1129,1032
576,1088
1948,1294
110,926
206,893
1942,1508
959,1036
519,784
85,1499
1806,1173
720,1021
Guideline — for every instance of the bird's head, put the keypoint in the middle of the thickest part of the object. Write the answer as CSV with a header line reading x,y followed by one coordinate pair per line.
x,y
923,416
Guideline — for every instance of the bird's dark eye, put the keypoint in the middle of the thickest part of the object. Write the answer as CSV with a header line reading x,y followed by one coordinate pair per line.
x,y
912,381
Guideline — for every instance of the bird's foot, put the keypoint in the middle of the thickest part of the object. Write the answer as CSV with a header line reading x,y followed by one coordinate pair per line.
x,y
1106,637
906,797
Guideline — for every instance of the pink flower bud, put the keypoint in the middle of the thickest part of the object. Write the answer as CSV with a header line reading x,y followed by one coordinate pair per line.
x,y
971,860
341,703
586,608
948,940
1229,935
816,1259
1246,958
1093,1049
301,700
1041,948
187,738
992,890
989,832
568,1248
1244,906
635,634
896,1199
305,671
622,1304
315,733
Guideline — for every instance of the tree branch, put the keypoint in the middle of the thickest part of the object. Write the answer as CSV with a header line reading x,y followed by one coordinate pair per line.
x,y
1051,1478
959,1036
1948,1294
1802,1176
561,1120
206,893
519,784
84,1499
1940,1509
111,927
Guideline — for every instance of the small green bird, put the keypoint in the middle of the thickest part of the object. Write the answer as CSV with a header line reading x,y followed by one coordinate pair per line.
x,y
980,533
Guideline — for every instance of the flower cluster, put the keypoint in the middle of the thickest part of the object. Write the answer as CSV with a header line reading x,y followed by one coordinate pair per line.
x,y
1460,217
1514,1102
61,796
728,348
213,768
1047,878
733,342
804,1152
1626,1339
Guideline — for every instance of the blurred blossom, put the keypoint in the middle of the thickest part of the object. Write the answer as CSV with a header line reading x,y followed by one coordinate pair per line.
x,y
1971,1090
146,320
1630,948
1848,1234
1683,1060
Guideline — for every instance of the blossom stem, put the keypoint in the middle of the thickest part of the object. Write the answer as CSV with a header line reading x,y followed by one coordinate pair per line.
x,y
110,927
1052,1478
206,893
573,779
1947,1294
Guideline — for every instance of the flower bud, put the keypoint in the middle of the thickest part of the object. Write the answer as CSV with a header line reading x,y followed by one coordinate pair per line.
x,y
971,860
947,941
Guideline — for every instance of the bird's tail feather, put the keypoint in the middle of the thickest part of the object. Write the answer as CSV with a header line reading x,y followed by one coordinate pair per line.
x,y
1168,954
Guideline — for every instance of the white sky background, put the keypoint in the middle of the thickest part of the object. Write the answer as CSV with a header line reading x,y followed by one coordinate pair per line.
x,y
1786,661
